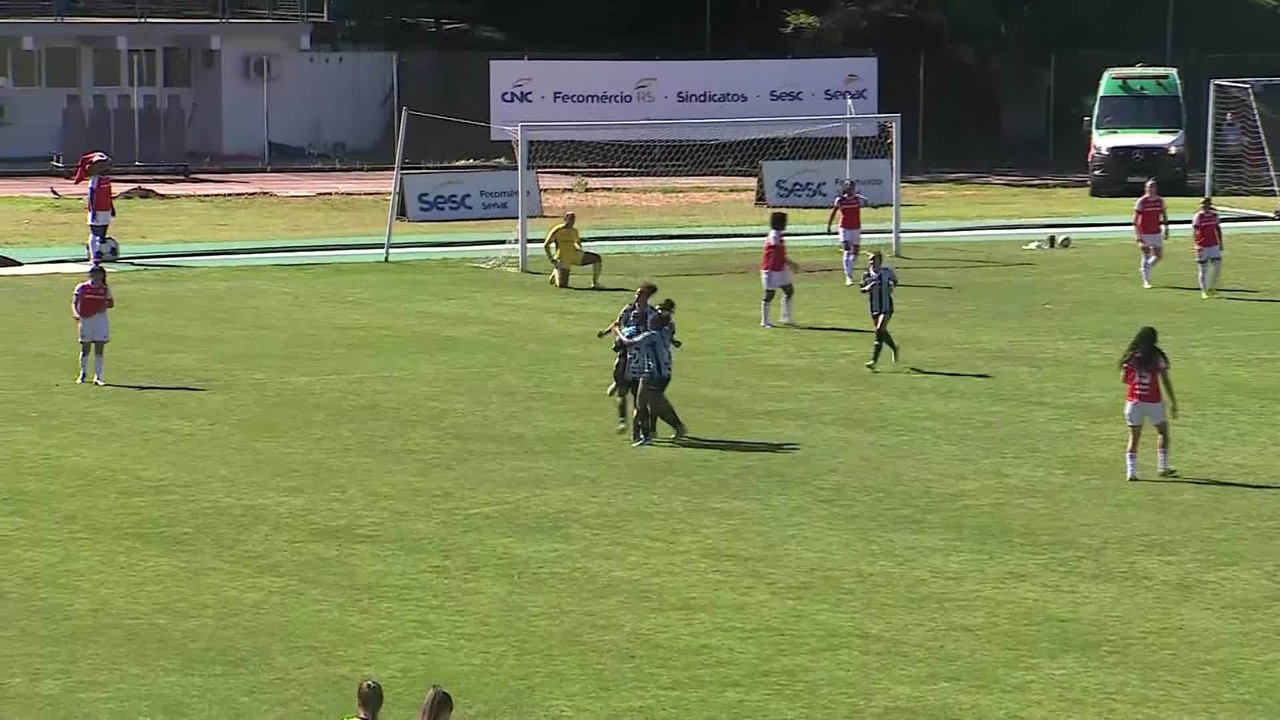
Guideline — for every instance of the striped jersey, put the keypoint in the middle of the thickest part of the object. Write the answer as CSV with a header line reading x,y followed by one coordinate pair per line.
x,y
649,357
624,317
882,283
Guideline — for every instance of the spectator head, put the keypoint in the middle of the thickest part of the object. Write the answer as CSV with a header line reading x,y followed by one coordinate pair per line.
x,y
369,699
438,705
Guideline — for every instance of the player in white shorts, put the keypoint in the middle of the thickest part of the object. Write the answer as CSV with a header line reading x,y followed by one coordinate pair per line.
x,y
849,206
775,271
1207,228
1145,367
89,307
1151,227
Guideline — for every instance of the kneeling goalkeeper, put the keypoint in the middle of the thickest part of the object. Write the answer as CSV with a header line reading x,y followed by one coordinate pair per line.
x,y
564,250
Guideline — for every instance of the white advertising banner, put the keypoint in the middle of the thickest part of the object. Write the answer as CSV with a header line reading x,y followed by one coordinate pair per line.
x,y
816,183
632,90
437,196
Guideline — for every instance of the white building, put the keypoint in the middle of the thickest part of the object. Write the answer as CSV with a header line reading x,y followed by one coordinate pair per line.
x,y
173,90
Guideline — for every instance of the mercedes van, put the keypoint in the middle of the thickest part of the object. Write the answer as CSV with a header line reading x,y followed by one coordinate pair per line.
x,y
1138,131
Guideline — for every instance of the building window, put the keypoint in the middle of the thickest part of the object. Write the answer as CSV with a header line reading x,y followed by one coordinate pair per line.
x,y
142,68
177,67
106,68
62,67
25,65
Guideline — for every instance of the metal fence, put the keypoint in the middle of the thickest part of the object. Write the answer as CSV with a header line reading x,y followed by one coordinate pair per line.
x,y
301,10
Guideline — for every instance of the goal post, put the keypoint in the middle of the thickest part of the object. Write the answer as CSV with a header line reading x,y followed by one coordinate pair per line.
x,y
691,182
1241,136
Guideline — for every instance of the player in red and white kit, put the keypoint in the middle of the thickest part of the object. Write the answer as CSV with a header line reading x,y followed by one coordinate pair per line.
x,y
1151,226
89,306
849,205
1145,368
776,269
100,204
1208,236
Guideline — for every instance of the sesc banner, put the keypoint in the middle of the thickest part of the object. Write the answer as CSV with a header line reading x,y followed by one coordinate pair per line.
x,y
436,196
816,183
621,90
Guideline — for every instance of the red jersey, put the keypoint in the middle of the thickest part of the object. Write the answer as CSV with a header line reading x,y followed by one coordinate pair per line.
x,y
100,200
850,207
92,299
1208,229
775,252
1149,213
1144,386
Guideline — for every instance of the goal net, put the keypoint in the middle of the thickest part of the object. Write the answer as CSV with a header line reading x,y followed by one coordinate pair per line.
x,y
1240,169
701,183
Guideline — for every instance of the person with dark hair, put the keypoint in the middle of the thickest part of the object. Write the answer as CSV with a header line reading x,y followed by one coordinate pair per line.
x,y
368,700
878,283
648,313
438,705
775,271
648,370
1207,228
1145,368
89,305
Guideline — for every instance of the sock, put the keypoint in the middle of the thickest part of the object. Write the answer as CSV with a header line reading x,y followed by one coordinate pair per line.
x,y
98,361
1215,272
764,313
1203,277
622,406
786,309
1146,269
888,340
1162,459
595,273
849,262
84,362
1131,464
875,352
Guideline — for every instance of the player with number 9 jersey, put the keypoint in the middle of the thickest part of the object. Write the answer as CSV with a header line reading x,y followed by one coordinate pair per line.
x,y
1145,367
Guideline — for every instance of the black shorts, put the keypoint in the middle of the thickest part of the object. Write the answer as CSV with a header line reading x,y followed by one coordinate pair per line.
x,y
657,384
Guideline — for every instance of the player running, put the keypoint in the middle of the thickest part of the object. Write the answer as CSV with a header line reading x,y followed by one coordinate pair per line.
x,y
775,271
849,205
101,205
564,250
878,283
1208,237
1151,226
89,306
1145,367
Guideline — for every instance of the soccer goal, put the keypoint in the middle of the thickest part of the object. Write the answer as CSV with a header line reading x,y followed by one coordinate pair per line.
x,y
1244,116
702,183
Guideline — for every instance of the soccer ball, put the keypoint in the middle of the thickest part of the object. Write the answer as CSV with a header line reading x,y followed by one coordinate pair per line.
x,y
110,250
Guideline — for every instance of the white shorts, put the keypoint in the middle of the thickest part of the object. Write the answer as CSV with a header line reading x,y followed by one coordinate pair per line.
x,y
95,329
102,217
1153,241
1209,253
775,279
850,238
1138,413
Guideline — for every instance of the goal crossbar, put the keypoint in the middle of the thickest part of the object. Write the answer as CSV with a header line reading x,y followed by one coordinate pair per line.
x,y
526,133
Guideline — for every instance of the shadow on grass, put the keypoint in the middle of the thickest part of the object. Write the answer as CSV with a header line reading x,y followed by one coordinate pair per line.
x,y
745,446
1261,300
940,373
158,388
601,289
1221,290
1208,483
930,287
828,328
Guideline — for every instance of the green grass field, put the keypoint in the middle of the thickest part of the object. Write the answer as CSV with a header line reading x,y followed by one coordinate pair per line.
x,y
26,222
410,471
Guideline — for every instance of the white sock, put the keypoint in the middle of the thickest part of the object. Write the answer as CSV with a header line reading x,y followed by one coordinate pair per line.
x,y
1146,269
1162,459
1215,272
1131,464
84,362
98,361
850,260
1203,276
764,313
786,309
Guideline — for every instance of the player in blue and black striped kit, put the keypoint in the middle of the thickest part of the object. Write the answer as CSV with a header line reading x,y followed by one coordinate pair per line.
x,y
878,283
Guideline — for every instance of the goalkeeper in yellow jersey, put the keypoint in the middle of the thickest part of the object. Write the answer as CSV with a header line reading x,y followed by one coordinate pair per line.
x,y
564,250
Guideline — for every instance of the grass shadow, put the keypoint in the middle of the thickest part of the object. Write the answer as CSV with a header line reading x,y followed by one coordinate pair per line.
x,y
1261,300
828,328
745,446
1208,482
1221,290
601,289
940,373
158,388
930,287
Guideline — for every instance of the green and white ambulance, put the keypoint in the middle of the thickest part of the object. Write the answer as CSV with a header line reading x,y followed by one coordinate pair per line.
x,y
1138,131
